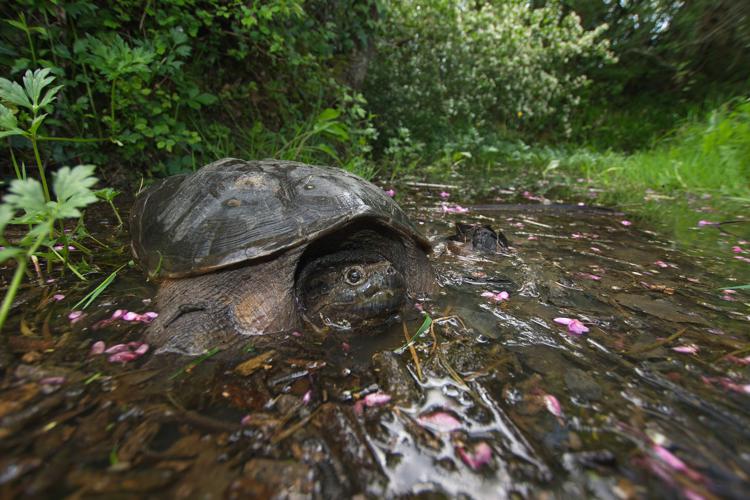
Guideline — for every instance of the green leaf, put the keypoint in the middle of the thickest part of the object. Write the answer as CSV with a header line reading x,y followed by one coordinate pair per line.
x,y
13,93
328,114
740,287
10,253
34,83
73,189
42,229
327,150
206,98
6,214
337,130
106,194
17,24
50,96
7,119
27,195
37,123
8,133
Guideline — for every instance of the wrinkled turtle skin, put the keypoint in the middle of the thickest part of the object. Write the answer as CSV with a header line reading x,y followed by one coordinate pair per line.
x,y
246,248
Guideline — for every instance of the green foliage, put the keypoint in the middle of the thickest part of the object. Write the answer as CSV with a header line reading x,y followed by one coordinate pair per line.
x,y
26,204
668,45
157,77
704,155
444,68
30,97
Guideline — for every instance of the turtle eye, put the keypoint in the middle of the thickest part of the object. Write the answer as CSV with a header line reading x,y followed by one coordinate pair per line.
x,y
354,275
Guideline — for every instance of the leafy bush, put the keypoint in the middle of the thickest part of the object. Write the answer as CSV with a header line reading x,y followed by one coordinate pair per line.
x,y
156,77
444,67
708,155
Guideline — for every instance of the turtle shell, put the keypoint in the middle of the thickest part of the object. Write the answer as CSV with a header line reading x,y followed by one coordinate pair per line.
x,y
234,211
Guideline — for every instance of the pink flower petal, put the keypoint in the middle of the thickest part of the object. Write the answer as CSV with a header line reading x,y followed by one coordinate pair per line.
x,y
52,381
577,327
359,407
661,263
307,397
669,458
75,316
626,223
727,383
590,276
686,349
675,462
737,249
445,195
480,455
702,223
142,349
376,399
441,421
130,316
58,297
497,296
390,192
117,348
574,326
553,405
456,209
98,348
736,360
122,357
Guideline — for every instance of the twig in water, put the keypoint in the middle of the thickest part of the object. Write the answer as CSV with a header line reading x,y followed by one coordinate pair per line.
x,y
656,344
413,351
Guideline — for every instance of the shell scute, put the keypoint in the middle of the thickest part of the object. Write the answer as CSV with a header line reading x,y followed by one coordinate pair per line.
x,y
232,211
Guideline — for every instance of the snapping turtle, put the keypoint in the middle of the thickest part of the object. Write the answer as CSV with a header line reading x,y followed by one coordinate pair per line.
x,y
256,247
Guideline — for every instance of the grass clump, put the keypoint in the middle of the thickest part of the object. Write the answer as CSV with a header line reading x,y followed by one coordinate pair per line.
x,y
703,156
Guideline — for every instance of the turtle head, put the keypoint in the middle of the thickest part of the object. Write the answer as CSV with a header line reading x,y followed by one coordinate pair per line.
x,y
345,290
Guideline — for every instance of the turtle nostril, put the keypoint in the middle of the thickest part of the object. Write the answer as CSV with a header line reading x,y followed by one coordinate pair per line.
x,y
389,270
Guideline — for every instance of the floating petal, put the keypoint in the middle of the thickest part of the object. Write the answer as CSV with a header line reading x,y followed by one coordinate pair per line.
x,y
553,405
441,421
480,455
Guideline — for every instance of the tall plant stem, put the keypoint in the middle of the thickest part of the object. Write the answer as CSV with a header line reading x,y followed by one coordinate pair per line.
x,y
10,294
31,43
13,159
112,105
40,167
72,139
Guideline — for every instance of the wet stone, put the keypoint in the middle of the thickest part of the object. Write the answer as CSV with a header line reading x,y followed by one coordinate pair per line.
x,y
345,437
394,378
277,479
582,384
544,360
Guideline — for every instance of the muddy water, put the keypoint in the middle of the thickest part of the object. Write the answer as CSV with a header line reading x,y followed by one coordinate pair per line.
x,y
496,399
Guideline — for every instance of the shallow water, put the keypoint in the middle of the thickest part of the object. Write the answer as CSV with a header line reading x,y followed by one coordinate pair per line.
x,y
496,400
